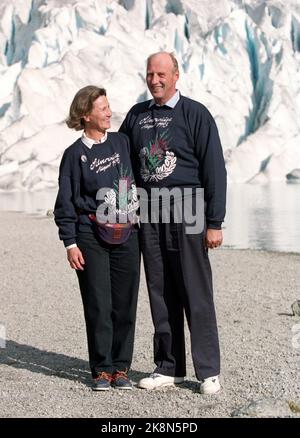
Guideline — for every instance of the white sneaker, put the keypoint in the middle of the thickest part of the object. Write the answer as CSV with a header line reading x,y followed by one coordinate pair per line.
x,y
158,381
211,385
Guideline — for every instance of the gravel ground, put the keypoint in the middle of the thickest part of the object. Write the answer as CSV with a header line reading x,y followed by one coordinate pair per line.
x,y
44,368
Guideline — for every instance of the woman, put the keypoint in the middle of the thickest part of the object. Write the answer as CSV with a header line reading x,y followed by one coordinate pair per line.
x,y
106,260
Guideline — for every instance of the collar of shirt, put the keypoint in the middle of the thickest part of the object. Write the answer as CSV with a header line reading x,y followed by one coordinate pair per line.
x,y
89,142
171,102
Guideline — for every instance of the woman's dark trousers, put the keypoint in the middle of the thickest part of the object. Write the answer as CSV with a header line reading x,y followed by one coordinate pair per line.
x,y
109,287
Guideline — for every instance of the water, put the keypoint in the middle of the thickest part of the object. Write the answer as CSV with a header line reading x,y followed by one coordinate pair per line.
x,y
28,202
258,216
263,217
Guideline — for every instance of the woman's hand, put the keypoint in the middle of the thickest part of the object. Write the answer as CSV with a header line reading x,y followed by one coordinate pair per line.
x,y
75,258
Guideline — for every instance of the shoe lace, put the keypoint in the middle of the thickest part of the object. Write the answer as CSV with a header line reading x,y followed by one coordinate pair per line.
x,y
155,375
119,374
104,375
212,379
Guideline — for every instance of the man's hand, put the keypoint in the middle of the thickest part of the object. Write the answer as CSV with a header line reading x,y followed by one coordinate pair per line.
x,y
75,258
213,238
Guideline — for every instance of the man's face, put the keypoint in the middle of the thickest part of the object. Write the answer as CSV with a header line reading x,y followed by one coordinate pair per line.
x,y
161,78
99,117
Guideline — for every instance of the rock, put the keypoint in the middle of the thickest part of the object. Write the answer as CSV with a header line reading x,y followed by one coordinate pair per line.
x,y
266,407
294,176
294,407
296,308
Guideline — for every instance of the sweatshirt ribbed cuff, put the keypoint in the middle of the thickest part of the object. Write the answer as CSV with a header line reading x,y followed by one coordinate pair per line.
x,y
69,242
214,225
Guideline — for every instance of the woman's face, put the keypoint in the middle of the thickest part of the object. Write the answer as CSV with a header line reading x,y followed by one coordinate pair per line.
x,y
99,117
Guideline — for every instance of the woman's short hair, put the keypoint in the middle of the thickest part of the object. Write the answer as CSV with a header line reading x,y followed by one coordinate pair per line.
x,y
82,105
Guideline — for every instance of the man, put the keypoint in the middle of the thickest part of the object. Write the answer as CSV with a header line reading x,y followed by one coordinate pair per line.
x,y
176,145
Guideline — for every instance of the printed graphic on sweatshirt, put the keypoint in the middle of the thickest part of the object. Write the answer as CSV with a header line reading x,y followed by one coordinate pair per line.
x,y
157,161
122,199
150,122
100,165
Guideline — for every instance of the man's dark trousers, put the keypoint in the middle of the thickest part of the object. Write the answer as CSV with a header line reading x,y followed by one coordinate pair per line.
x,y
179,279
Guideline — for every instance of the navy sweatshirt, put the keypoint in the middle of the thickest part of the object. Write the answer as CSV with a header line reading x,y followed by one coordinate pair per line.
x,y
83,171
178,147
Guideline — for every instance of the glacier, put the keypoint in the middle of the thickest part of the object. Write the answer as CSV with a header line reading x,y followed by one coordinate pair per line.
x,y
239,58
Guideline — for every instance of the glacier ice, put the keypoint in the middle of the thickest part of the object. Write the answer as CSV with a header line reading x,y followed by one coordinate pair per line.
x,y
238,57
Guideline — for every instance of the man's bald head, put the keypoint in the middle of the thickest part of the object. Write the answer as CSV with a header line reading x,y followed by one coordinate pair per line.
x,y
165,56
162,75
